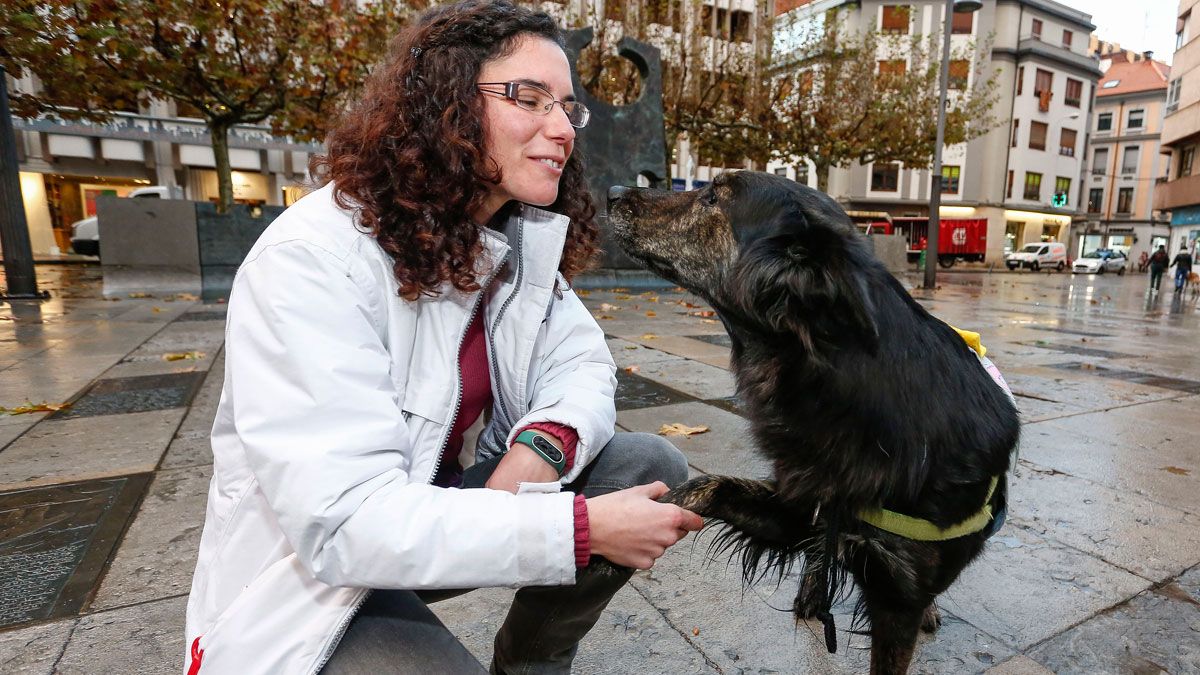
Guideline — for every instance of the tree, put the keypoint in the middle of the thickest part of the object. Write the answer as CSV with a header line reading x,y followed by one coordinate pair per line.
x,y
842,97
289,63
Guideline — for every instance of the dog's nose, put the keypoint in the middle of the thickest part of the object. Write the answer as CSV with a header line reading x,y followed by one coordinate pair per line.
x,y
616,192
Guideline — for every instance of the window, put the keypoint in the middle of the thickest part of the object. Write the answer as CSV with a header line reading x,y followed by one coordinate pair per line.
x,y
802,173
1136,118
1037,135
960,72
1066,143
1129,160
1062,185
1067,39
739,25
950,176
1008,192
885,177
1095,198
893,67
1124,200
895,19
781,171
1100,161
1186,157
1016,128
1104,122
665,13
1043,82
1074,92
1173,95
1037,29
1033,186
962,23
1020,78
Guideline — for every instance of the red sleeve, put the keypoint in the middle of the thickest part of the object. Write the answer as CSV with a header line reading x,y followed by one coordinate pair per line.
x,y
583,545
566,435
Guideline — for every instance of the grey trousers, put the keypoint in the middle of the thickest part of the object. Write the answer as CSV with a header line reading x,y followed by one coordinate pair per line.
x,y
396,632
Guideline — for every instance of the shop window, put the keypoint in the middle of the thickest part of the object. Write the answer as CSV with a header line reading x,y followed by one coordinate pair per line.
x,y
885,176
1033,186
1095,198
1100,161
1124,200
1136,118
1066,143
1104,122
895,19
1074,92
960,72
950,175
1037,135
962,23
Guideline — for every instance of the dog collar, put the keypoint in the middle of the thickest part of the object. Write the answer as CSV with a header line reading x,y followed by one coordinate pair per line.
x,y
920,529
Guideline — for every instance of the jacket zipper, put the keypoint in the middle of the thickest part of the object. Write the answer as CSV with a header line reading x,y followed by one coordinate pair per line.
x,y
345,622
500,315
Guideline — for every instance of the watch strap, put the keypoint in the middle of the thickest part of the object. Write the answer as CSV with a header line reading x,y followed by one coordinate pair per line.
x,y
544,448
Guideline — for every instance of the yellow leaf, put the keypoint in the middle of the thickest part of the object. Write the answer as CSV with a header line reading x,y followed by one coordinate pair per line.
x,y
677,429
31,407
632,369
710,321
649,336
623,296
156,310
141,295
651,314
180,356
631,347
583,293
605,317
1176,470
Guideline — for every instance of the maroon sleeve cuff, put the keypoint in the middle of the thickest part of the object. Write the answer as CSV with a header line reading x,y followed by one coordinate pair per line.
x,y
583,544
566,435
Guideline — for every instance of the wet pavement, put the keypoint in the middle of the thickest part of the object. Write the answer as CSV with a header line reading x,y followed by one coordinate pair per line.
x,y
1096,571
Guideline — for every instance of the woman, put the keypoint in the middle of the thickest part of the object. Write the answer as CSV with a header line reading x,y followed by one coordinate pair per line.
x,y
369,326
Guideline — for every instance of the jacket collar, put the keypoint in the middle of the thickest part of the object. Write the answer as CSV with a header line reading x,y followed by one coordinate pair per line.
x,y
535,237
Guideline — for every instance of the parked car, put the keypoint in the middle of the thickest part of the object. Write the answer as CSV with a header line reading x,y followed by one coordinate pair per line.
x,y
85,234
1048,254
1100,261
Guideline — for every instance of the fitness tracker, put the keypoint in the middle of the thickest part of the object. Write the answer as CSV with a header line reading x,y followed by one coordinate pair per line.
x,y
545,448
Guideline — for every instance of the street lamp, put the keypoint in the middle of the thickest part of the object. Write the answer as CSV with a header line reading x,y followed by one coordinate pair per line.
x,y
935,195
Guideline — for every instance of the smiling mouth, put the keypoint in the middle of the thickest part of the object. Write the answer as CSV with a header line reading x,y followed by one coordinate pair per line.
x,y
550,163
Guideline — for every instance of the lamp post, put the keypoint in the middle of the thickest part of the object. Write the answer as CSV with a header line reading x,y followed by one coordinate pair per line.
x,y
935,192
14,233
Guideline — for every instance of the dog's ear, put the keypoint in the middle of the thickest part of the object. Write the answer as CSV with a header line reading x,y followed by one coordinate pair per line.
x,y
809,281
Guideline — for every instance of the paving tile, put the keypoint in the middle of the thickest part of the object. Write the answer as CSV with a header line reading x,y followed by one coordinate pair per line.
x,y
34,650
1026,588
697,379
726,448
191,448
134,394
1020,665
1134,376
635,391
158,554
1079,389
1125,529
626,353
146,639
156,365
1154,632
55,541
686,347
88,447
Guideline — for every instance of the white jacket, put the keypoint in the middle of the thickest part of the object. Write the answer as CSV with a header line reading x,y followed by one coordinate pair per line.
x,y
337,402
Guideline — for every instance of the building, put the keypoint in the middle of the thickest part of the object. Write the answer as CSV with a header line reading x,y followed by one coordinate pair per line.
x,y
1180,192
1124,160
1046,81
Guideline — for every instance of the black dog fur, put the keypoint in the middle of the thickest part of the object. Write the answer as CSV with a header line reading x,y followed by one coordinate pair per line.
x,y
856,394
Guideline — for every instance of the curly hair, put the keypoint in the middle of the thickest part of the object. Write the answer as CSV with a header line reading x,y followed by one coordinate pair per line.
x,y
410,154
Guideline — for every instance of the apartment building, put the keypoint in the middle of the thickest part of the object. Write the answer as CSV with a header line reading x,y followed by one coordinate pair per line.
x,y
1033,159
1180,192
1124,158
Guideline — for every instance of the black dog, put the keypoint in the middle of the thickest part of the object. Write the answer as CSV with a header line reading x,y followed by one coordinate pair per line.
x,y
858,396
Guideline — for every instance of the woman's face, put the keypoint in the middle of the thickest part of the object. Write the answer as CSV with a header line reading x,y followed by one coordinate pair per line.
x,y
530,149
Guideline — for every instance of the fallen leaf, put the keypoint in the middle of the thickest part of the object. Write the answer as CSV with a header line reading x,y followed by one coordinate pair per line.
x,y
696,631
649,336
180,356
1176,470
156,310
632,369
653,298
605,317
651,314
631,347
707,314
687,304
677,429
623,296
31,407
710,321
141,295
583,293
605,307
620,290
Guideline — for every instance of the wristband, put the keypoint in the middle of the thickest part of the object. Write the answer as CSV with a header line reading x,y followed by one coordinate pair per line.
x,y
543,447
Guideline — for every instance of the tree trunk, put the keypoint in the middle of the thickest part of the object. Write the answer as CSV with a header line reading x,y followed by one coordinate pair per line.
x,y
823,177
220,147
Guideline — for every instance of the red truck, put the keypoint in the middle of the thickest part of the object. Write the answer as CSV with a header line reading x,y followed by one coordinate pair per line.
x,y
958,238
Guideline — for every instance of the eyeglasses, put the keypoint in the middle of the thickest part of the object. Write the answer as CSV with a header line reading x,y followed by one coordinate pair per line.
x,y
539,101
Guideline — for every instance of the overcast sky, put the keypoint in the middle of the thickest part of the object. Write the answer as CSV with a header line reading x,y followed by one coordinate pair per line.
x,y
1136,25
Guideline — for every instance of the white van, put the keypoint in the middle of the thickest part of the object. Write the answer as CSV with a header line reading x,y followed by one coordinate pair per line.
x,y
1046,255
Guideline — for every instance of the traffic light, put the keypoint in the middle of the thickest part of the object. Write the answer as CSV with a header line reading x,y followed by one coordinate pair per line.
x,y
1059,199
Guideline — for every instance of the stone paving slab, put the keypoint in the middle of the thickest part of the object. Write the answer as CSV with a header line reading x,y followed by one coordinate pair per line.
x,y
1020,665
34,650
626,353
725,449
146,639
687,347
89,447
1130,531
158,554
697,379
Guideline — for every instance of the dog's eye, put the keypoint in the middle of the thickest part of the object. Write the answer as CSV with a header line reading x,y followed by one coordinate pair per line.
x,y
711,198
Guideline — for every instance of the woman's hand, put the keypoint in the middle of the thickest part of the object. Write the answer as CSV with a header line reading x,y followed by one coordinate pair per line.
x,y
521,465
630,528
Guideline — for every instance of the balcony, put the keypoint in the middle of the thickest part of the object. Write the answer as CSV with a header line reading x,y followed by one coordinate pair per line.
x,y
181,130
1179,192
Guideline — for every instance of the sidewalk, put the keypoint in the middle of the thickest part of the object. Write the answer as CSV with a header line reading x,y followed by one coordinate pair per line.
x,y
101,503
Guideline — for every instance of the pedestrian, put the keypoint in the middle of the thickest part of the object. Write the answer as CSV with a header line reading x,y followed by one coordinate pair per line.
x,y
1183,266
371,324
1158,265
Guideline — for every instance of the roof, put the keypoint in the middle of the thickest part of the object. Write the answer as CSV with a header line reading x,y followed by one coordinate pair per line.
x,y
1132,77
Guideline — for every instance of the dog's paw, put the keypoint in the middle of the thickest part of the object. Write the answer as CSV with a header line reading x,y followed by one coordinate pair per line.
x,y
808,599
931,620
696,495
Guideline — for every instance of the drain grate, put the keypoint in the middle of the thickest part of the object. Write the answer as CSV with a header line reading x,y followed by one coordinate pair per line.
x,y
208,315
55,542
134,394
1133,376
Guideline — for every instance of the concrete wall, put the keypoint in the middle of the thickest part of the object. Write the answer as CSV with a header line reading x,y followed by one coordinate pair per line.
x,y
153,233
